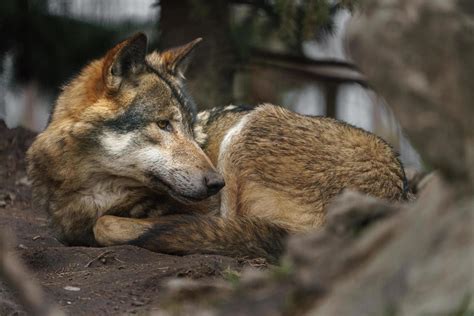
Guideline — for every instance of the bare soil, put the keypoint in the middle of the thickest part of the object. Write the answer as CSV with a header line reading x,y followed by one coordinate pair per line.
x,y
83,280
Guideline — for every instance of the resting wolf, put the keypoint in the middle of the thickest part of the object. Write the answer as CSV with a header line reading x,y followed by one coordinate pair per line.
x,y
126,160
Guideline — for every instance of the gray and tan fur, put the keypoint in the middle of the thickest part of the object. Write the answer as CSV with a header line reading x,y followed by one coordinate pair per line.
x,y
120,139
110,172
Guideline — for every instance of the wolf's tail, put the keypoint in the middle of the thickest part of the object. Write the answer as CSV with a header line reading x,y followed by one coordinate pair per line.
x,y
235,237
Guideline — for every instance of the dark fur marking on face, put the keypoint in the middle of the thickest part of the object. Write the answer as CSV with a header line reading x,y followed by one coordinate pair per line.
x,y
152,140
132,119
187,103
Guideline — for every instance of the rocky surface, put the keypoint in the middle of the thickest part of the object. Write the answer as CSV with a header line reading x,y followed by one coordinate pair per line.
x,y
418,55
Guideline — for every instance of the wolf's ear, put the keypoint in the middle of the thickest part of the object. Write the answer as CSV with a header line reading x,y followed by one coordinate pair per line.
x,y
124,61
174,60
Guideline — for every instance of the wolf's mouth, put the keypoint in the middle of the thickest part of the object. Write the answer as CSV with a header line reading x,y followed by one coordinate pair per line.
x,y
185,199
158,182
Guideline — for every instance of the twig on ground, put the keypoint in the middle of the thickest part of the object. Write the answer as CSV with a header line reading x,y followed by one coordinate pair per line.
x,y
121,261
87,265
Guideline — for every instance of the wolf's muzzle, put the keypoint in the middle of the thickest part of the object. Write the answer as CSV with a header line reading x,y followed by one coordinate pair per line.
x,y
214,183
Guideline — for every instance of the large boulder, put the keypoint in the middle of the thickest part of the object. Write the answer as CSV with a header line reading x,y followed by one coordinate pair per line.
x,y
418,54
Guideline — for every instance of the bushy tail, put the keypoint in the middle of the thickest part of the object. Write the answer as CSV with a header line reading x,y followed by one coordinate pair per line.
x,y
236,237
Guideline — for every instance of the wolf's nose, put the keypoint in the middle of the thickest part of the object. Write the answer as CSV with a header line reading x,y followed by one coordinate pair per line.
x,y
214,182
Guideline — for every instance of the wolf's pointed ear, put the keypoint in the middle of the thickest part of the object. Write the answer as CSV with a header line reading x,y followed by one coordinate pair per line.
x,y
174,60
124,60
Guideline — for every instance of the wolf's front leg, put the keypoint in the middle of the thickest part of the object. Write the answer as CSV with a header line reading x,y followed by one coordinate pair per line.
x,y
112,230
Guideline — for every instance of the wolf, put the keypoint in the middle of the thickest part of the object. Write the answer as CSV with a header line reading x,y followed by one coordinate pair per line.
x,y
126,159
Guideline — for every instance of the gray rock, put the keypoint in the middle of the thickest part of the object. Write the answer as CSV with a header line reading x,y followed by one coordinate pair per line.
x,y
418,54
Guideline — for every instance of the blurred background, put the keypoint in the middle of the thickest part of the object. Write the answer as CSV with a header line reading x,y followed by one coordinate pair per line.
x,y
287,52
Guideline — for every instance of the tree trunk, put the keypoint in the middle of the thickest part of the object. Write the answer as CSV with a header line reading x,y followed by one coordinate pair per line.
x,y
211,72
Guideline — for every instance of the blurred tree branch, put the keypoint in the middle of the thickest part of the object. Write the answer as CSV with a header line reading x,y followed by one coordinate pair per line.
x,y
18,278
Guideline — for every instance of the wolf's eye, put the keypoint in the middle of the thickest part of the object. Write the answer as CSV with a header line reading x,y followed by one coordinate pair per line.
x,y
164,125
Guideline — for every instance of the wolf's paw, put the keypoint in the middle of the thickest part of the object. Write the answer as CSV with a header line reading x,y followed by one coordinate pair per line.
x,y
113,230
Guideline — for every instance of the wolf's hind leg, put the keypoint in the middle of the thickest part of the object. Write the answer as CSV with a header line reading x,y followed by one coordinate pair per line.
x,y
112,230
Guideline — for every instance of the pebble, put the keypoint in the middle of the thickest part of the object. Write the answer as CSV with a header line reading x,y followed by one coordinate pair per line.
x,y
72,288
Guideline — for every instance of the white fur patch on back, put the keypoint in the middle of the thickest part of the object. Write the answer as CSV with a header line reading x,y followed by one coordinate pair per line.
x,y
203,116
231,133
199,135
227,203
230,107
115,143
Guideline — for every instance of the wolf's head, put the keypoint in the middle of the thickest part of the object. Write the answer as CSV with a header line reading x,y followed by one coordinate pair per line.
x,y
132,118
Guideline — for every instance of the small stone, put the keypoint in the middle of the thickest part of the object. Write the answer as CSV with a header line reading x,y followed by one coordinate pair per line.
x,y
138,303
72,288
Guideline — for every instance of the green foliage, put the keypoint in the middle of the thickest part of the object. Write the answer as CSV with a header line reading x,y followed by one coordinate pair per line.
x,y
231,276
283,271
48,49
463,308
290,21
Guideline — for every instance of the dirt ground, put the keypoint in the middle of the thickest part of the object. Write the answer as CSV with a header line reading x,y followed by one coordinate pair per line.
x,y
82,280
